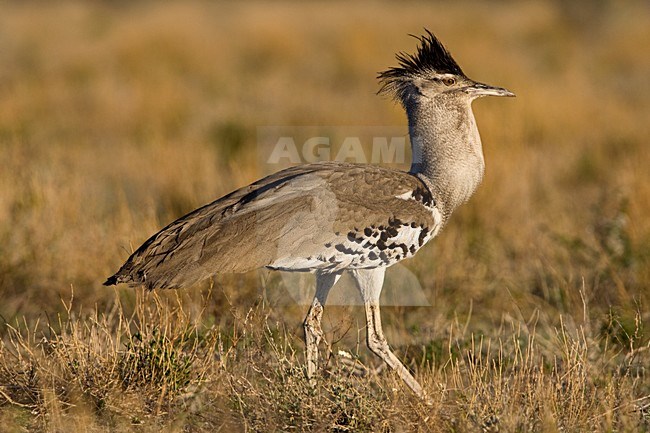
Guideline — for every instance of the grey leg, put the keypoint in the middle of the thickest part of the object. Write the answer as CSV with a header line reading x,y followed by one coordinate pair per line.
x,y
313,331
369,282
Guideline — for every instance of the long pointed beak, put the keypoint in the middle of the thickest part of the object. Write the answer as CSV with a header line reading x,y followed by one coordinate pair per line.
x,y
480,89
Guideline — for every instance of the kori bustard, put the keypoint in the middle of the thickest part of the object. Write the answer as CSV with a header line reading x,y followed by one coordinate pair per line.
x,y
334,217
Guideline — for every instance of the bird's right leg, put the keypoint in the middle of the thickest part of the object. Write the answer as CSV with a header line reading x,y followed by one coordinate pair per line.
x,y
313,331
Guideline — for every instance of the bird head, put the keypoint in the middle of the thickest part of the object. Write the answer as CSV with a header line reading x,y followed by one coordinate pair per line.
x,y
432,73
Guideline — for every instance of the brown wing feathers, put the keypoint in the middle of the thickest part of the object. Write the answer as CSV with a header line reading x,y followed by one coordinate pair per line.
x,y
294,213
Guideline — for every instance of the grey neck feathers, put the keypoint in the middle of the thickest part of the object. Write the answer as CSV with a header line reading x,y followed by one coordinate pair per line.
x,y
447,151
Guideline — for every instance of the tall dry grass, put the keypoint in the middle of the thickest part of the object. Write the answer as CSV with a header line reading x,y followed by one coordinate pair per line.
x,y
117,118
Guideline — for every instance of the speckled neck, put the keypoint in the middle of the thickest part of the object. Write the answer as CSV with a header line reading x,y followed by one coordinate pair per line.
x,y
447,150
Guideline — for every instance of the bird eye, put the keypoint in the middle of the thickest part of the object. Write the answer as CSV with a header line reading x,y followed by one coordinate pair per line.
x,y
448,81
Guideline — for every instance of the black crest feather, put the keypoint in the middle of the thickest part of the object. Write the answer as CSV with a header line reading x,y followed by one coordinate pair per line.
x,y
431,56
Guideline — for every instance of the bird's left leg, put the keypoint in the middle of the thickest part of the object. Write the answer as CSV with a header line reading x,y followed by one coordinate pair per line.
x,y
370,282
313,331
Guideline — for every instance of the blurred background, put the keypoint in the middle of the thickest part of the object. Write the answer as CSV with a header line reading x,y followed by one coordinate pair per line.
x,y
118,117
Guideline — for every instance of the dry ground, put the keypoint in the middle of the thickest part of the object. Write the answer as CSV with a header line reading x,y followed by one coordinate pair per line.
x,y
117,117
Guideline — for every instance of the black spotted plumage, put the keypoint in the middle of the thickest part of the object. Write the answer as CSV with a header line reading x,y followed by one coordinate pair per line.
x,y
423,195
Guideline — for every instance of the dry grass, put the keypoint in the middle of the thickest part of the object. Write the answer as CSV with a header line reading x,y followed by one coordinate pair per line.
x,y
117,118
162,367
